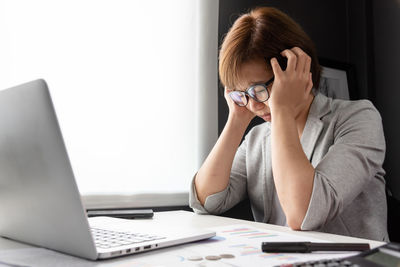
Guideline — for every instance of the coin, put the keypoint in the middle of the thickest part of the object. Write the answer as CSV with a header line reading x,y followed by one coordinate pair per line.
x,y
195,258
213,258
227,256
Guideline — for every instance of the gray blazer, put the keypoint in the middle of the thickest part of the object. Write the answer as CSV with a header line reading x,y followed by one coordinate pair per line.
x,y
344,142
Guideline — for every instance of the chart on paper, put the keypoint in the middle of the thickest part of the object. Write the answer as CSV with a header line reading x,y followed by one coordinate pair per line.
x,y
234,245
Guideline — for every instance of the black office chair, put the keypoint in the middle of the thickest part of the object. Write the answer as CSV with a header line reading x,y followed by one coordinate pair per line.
x,y
241,211
393,222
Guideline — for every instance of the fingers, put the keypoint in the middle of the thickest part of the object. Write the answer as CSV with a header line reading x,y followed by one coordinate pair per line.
x,y
292,59
227,90
226,94
301,58
307,65
275,67
310,84
298,60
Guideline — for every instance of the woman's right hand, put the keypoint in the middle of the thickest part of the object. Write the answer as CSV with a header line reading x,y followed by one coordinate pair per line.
x,y
214,174
236,112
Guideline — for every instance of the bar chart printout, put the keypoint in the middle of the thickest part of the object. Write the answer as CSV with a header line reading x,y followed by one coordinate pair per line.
x,y
233,245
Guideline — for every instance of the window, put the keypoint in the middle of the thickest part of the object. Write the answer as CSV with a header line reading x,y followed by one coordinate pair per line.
x,y
134,84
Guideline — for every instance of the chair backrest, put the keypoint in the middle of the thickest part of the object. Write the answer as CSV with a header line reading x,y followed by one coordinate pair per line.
x,y
241,211
393,217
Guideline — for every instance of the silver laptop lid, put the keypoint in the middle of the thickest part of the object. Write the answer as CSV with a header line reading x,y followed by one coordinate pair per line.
x,y
39,199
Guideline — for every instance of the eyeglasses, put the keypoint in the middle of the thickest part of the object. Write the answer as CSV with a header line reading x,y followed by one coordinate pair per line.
x,y
258,92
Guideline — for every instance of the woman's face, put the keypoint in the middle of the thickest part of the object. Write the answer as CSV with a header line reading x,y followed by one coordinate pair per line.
x,y
251,73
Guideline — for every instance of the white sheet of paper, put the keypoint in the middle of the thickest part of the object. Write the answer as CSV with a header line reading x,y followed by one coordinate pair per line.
x,y
242,241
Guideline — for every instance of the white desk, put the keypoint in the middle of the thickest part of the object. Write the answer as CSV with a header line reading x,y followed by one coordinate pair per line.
x,y
202,221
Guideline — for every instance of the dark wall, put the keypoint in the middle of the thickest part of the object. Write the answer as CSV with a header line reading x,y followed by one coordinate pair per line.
x,y
386,30
363,33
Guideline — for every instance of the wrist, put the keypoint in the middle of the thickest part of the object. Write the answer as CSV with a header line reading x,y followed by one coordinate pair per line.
x,y
238,122
283,111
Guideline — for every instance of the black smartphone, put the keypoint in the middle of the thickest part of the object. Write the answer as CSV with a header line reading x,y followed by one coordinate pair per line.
x,y
122,213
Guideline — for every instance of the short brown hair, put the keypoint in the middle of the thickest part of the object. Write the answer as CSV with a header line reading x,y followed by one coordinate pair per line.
x,y
262,33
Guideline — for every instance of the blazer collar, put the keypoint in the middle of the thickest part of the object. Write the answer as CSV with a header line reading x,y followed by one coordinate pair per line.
x,y
314,126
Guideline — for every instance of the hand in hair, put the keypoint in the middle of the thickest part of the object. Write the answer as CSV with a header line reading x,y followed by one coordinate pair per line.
x,y
292,86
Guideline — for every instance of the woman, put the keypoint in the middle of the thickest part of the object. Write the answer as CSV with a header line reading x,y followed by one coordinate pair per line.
x,y
316,163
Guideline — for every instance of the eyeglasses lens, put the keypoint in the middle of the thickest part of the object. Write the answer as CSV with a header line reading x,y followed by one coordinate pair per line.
x,y
259,93
239,98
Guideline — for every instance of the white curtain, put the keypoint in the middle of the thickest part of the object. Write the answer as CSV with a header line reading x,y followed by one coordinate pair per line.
x,y
134,84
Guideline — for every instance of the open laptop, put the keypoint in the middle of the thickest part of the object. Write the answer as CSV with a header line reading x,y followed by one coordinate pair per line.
x,y
39,200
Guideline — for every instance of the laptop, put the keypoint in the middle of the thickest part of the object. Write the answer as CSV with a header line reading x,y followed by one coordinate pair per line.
x,y
39,199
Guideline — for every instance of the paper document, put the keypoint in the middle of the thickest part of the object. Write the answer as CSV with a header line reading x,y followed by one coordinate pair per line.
x,y
234,245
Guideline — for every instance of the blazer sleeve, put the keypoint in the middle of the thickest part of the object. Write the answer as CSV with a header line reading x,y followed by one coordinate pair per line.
x,y
234,193
353,160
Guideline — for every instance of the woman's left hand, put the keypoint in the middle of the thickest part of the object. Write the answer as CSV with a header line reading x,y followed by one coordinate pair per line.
x,y
291,87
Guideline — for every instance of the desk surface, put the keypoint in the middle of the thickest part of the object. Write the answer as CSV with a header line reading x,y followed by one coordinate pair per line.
x,y
201,221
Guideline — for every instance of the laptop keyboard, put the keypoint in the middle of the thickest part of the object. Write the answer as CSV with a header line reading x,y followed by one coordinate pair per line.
x,y
109,239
